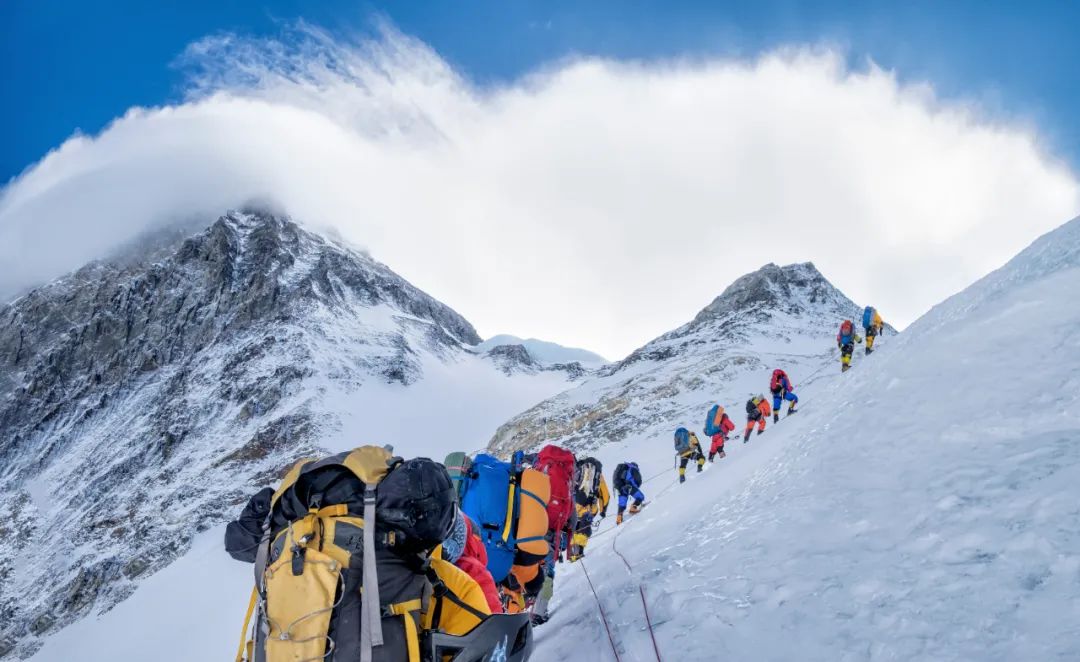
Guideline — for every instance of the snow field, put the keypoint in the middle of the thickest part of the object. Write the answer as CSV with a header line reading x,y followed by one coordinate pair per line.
x,y
921,507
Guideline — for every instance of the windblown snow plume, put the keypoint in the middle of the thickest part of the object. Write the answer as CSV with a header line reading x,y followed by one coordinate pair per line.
x,y
580,184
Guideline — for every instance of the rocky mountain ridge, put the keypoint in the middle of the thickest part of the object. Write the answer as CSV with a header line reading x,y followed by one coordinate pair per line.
x,y
774,317
143,398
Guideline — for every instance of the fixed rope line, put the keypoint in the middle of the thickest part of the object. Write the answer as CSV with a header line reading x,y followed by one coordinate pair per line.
x,y
603,617
641,592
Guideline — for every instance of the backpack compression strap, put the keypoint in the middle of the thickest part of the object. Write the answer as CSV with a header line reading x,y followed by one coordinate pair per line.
x,y
240,652
370,464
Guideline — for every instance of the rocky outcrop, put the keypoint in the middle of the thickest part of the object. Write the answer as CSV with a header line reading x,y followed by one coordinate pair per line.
x,y
771,317
141,398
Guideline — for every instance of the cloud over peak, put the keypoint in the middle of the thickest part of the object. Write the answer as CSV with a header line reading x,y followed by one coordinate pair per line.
x,y
594,202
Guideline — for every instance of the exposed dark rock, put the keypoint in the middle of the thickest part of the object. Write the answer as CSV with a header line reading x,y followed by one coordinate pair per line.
x,y
671,377
148,390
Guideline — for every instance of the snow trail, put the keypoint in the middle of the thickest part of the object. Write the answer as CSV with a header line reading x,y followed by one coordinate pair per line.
x,y
917,508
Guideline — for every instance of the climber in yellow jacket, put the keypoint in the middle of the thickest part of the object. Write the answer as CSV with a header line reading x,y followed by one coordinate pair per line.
x,y
591,498
873,325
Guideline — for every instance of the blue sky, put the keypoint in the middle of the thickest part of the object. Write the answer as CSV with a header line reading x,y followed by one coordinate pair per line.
x,y
72,65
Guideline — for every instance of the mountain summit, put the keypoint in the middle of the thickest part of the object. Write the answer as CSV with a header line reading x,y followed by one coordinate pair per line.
x,y
143,397
774,317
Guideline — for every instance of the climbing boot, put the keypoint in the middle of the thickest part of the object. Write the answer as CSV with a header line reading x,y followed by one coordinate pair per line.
x,y
682,478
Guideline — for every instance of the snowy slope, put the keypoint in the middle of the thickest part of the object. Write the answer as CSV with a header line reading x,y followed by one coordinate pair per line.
x,y
920,507
750,312
774,317
143,399
545,352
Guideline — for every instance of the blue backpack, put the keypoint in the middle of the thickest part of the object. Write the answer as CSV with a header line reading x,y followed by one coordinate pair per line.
x,y
485,498
682,440
867,317
710,421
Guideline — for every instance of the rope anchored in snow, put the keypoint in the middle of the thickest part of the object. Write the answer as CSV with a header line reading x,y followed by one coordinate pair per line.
x,y
641,588
644,603
603,617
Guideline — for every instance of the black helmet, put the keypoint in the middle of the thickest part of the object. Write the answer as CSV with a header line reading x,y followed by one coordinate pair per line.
x,y
498,638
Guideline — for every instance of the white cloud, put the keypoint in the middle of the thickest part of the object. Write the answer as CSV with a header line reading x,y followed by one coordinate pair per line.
x,y
595,203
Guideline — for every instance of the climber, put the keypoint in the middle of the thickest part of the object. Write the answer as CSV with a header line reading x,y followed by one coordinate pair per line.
x,y
687,447
508,502
846,340
872,326
560,466
717,425
782,390
591,499
757,412
627,483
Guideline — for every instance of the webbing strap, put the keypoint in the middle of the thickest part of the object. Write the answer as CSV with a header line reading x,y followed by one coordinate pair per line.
x,y
412,638
370,618
247,621
534,496
412,634
464,605
401,608
509,512
333,511
262,555
530,539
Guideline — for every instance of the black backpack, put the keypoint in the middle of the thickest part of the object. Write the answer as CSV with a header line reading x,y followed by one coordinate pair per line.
x,y
619,479
314,553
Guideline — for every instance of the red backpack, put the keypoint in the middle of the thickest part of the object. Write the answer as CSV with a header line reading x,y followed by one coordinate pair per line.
x,y
777,376
558,464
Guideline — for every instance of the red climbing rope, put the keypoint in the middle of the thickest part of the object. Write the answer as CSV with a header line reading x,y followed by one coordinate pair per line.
x,y
603,617
644,603
641,588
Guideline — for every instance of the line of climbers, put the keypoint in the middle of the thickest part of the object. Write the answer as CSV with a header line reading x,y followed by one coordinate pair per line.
x,y
848,337
461,561
718,424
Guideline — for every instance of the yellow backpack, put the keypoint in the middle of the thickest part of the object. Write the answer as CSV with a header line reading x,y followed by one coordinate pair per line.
x,y
311,575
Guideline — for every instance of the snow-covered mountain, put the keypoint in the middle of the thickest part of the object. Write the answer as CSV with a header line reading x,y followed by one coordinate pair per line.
x,y
774,317
142,398
920,507
545,352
